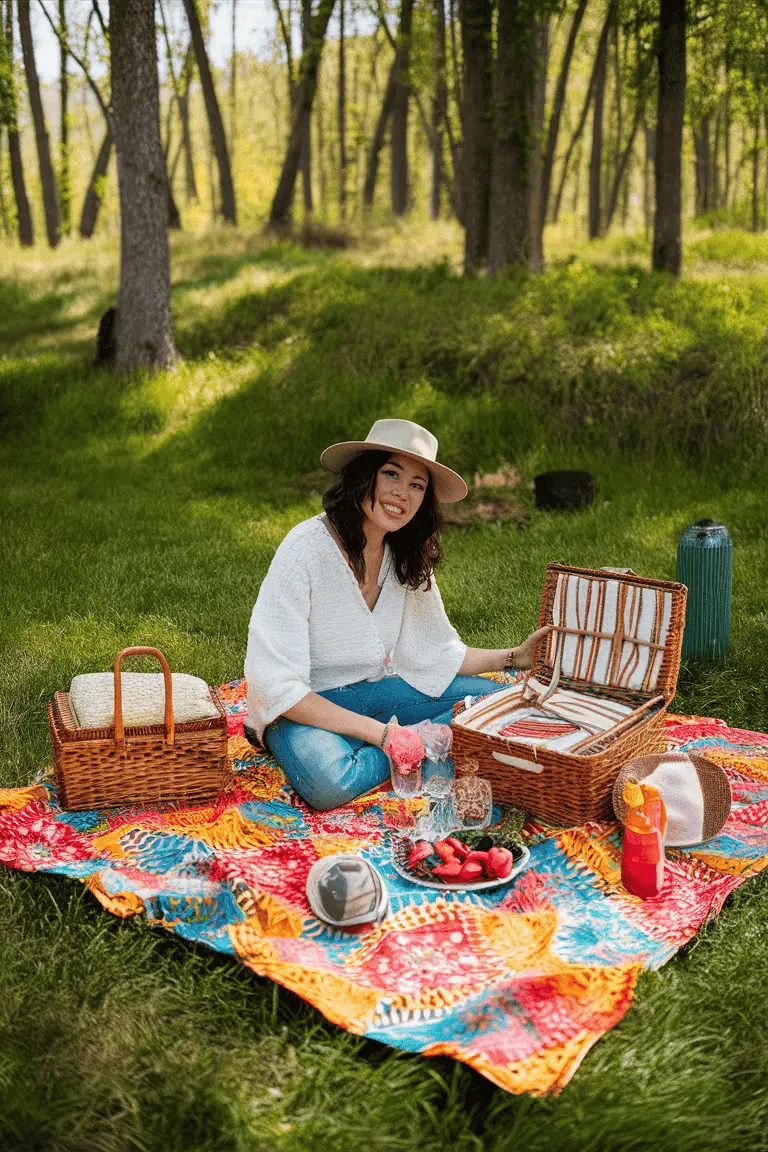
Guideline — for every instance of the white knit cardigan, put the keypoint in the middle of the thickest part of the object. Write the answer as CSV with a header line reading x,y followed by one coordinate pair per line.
x,y
312,630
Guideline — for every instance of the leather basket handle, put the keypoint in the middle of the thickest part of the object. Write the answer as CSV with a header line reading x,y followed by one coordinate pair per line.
x,y
170,734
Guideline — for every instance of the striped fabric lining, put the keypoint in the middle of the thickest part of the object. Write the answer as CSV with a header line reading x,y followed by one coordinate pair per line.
x,y
613,632
499,710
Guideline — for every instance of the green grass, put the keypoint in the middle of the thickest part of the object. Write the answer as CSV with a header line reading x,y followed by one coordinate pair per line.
x,y
148,510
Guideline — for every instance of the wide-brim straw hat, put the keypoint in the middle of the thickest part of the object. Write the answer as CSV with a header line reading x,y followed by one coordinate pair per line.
x,y
695,791
407,439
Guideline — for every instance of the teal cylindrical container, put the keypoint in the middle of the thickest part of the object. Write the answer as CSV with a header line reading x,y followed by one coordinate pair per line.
x,y
705,564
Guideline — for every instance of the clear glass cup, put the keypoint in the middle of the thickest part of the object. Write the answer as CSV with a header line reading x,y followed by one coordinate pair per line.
x,y
405,784
473,802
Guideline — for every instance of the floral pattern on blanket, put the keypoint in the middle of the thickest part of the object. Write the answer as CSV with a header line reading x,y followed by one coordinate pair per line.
x,y
518,982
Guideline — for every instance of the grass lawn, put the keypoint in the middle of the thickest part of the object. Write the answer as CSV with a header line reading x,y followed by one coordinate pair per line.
x,y
147,511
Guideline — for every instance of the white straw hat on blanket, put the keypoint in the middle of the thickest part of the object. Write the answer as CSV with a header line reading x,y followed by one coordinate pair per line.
x,y
408,439
695,791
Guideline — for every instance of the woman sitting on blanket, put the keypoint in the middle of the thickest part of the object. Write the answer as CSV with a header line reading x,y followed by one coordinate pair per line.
x,y
349,633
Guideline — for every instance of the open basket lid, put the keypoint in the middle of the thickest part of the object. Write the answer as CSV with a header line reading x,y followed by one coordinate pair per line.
x,y
613,631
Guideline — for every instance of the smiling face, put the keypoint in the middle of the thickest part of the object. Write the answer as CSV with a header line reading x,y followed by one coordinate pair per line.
x,y
400,487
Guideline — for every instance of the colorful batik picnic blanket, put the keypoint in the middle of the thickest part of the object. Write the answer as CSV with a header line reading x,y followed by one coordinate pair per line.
x,y
518,982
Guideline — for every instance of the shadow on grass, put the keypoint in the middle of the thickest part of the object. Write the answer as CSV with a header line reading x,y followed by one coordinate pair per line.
x,y
25,313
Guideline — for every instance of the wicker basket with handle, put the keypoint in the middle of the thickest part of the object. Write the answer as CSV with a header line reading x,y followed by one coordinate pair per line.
x,y
147,764
616,639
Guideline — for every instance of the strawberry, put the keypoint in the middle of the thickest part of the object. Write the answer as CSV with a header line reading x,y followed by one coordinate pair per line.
x,y
471,871
459,849
448,871
501,861
444,850
419,852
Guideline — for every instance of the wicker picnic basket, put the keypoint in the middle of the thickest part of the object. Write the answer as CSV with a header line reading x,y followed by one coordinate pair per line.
x,y
616,640
142,764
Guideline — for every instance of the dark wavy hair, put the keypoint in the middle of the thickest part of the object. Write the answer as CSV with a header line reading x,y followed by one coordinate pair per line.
x,y
415,547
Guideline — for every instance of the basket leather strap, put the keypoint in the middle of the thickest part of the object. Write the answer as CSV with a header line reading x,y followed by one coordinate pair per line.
x,y
170,733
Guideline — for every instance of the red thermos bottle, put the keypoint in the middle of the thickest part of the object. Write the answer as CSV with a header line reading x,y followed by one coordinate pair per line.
x,y
642,849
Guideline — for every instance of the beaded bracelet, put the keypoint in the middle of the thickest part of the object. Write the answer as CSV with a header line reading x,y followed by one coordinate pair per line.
x,y
384,734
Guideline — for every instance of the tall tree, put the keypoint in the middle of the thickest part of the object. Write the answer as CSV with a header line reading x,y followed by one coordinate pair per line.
x,y
508,241
215,123
576,137
439,109
233,85
185,84
47,177
536,99
8,108
667,241
144,324
379,136
94,194
64,186
558,101
301,111
306,139
475,17
596,155
399,130
342,106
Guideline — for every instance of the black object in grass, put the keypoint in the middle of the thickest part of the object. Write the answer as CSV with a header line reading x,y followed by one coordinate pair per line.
x,y
563,491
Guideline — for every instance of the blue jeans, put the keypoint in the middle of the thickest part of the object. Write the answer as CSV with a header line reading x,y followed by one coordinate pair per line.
x,y
328,770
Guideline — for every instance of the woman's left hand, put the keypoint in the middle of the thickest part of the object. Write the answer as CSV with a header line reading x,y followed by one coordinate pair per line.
x,y
522,656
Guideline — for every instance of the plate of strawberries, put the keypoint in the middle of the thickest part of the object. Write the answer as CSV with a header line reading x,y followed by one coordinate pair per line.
x,y
452,864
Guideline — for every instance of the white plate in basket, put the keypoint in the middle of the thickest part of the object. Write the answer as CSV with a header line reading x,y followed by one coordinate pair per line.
x,y
401,850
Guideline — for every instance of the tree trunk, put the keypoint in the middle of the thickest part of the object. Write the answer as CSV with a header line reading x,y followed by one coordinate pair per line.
x,y
727,143
601,47
558,102
667,241
379,136
215,123
399,131
439,109
303,97
322,179
714,175
23,213
47,177
622,166
233,86
190,183
701,164
538,98
596,156
477,149
64,187
342,120
95,193
3,204
306,140
144,324
650,149
511,176
756,175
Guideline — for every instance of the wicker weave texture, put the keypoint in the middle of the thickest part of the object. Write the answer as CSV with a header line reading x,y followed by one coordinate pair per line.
x,y
94,768
566,788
